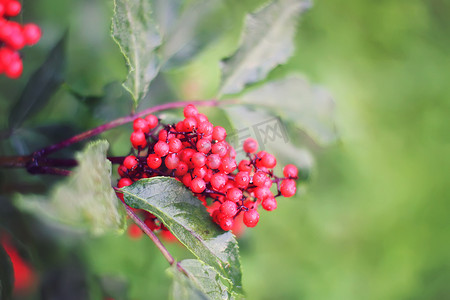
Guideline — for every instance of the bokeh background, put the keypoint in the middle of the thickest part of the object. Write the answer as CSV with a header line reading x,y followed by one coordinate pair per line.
x,y
373,220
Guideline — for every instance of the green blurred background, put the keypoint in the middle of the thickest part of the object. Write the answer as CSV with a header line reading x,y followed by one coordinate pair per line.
x,y
373,222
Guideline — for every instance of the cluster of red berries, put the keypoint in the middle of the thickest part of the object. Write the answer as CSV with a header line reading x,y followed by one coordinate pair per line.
x,y
13,37
195,152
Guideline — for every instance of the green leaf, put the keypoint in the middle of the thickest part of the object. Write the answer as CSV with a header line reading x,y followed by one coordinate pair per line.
x,y
201,277
183,287
41,86
189,30
85,199
266,42
187,219
310,108
273,135
136,33
6,275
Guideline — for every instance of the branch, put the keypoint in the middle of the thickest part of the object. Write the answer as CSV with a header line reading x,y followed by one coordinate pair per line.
x,y
153,237
122,121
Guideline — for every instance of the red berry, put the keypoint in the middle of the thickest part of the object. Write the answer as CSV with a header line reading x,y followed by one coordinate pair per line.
x,y
201,118
213,161
172,161
186,180
290,171
219,133
234,194
220,148
245,166
200,172
269,204
181,169
189,124
17,40
134,231
198,159
186,154
251,218
242,179
269,161
175,145
218,181
14,69
32,33
205,128
122,170
288,188
152,121
250,145
162,135
198,185
154,161
229,208
262,193
228,165
161,148
203,145
138,139
190,111
130,162
13,8
124,182
259,178
209,175
226,223
140,124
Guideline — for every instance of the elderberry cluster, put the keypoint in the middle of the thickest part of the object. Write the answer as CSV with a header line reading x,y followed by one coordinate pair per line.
x,y
196,153
13,37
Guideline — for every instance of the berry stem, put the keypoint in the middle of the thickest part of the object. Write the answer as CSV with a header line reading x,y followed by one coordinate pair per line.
x,y
153,237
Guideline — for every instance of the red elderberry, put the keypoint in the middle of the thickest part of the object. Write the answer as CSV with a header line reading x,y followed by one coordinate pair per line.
x,y
269,204
203,145
198,185
154,161
250,145
251,218
152,121
213,161
228,208
140,124
138,139
290,171
172,161
288,188
175,145
161,148
234,194
219,133
190,111
130,162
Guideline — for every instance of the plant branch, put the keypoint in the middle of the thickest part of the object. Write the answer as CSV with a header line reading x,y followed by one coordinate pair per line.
x,y
153,237
121,121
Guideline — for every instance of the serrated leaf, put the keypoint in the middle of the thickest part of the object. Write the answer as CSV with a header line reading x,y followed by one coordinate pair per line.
x,y
41,86
266,42
311,108
187,219
136,33
6,275
85,199
206,279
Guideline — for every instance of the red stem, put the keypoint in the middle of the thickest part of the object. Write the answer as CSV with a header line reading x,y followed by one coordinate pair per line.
x,y
121,121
